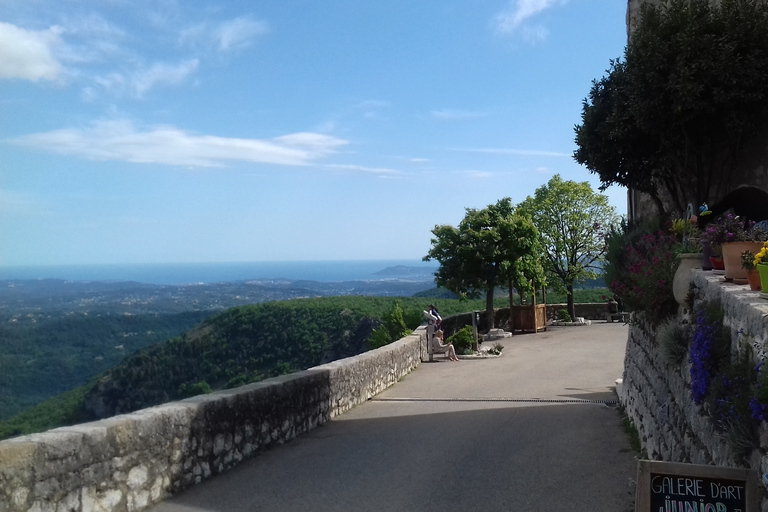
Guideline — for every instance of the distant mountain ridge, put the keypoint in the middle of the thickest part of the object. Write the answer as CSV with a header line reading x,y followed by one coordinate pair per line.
x,y
406,272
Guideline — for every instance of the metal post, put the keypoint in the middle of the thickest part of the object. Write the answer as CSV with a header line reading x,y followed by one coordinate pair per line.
x,y
430,335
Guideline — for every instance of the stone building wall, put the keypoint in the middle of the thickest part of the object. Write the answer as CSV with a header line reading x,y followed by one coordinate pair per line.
x,y
128,462
657,395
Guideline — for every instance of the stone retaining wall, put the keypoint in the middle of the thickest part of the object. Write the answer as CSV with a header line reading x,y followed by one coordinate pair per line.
x,y
657,395
128,462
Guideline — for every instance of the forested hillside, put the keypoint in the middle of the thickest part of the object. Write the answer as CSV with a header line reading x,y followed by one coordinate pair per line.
x,y
47,355
234,347
240,345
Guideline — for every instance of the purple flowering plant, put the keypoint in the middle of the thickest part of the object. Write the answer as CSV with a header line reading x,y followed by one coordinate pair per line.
x,y
709,353
729,228
758,403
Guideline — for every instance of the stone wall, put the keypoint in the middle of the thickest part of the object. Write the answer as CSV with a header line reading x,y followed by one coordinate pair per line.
x,y
657,395
128,462
590,311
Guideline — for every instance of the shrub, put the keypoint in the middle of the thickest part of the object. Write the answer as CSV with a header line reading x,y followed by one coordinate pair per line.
x,y
463,340
393,328
379,337
563,316
198,388
640,270
674,339
496,349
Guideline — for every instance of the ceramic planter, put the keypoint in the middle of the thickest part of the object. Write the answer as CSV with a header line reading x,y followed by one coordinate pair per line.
x,y
682,280
762,269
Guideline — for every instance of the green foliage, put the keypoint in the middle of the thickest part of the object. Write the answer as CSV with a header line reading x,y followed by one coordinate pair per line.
x,y
463,340
674,339
573,221
55,354
379,337
496,349
564,316
491,246
671,118
392,329
632,434
198,388
64,409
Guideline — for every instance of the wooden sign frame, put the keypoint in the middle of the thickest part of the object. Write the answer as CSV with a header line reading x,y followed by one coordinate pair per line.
x,y
694,484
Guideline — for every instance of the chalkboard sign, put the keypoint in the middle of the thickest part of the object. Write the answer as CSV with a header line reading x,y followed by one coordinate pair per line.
x,y
674,487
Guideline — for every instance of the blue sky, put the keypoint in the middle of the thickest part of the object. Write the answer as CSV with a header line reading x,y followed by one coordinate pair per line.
x,y
170,131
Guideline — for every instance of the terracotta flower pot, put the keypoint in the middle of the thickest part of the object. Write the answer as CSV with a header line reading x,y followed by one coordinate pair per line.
x,y
732,258
753,277
717,263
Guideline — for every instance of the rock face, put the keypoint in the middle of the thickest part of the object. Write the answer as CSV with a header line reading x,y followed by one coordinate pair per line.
x,y
657,396
129,462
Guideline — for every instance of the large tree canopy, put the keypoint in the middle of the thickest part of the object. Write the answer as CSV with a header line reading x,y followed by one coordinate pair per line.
x,y
572,220
490,247
672,118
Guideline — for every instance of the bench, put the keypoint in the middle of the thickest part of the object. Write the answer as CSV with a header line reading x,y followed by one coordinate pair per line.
x,y
622,316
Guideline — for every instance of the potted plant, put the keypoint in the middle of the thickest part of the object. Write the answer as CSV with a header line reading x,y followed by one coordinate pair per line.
x,y
689,256
761,263
748,264
734,236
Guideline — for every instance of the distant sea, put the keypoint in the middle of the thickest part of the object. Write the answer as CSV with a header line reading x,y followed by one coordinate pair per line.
x,y
189,273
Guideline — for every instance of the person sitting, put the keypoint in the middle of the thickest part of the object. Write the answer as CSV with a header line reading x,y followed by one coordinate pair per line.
x,y
439,348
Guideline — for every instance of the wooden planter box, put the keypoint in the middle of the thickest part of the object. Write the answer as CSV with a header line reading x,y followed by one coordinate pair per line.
x,y
531,318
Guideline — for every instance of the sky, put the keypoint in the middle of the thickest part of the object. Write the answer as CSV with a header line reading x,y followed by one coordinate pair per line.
x,y
169,131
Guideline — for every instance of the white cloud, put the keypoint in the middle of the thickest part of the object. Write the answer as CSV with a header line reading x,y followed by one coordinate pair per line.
x,y
228,36
374,170
476,175
162,74
520,152
28,54
518,11
120,140
448,114
142,80
239,33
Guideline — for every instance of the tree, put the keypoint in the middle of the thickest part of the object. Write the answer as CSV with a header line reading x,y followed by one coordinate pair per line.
x,y
490,247
572,220
673,117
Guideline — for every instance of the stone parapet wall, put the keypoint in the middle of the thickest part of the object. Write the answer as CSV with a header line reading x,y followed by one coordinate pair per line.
x,y
128,462
657,395
590,311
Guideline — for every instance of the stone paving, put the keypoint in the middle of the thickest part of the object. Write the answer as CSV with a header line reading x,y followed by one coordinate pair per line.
x,y
534,430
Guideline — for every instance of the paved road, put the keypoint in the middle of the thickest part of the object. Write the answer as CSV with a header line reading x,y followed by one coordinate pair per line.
x,y
458,437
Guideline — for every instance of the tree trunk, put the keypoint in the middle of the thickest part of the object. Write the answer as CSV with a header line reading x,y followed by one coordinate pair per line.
x,y
489,309
571,308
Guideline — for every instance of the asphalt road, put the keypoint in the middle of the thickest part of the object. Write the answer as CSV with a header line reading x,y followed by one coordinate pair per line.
x,y
489,435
